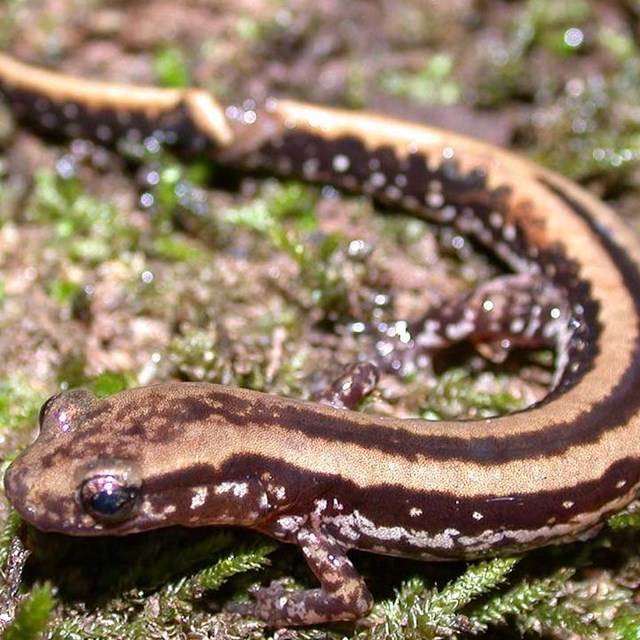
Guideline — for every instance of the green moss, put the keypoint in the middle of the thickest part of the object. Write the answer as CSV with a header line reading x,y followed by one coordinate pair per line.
x,y
459,392
72,375
196,355
551,25
419,614
111,382
626,624
433,83
9,18
125,610
521,600
625,520
558,29
33,615
174,198
171,69
9,531
177,249
284,213
250,29
505,79
89,229
212,578
600,134
19,402
277,207
64,291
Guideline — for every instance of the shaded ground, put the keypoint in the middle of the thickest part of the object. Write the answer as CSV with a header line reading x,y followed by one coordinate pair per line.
x,y
124,271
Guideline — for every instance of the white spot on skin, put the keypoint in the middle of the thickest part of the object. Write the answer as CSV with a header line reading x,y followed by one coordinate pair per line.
x,y
476,515
148,510
495,219
567,504
355,525
415,512
429,545
509,232
620,484
104,133
239,489
378,179
199,497
434,200
340,163
289,524
447,214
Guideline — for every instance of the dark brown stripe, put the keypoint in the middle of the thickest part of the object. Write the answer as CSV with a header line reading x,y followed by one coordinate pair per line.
x,y
106,125
389,505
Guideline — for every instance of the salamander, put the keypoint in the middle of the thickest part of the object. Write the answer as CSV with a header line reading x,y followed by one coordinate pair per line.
x,y
316,474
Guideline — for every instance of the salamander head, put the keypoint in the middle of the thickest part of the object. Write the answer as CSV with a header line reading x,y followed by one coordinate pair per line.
x,y
137,460
57,488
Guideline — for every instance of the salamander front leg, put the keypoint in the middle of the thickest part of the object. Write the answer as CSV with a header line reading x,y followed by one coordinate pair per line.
x,y
343,595
352,386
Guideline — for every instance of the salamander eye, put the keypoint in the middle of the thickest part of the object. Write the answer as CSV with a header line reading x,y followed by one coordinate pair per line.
x,y
108,498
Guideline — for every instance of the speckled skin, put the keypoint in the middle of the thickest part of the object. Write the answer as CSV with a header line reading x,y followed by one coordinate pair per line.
x,y
330,480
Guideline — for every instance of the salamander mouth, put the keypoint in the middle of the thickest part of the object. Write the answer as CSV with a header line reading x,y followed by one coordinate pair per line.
x,y
17,488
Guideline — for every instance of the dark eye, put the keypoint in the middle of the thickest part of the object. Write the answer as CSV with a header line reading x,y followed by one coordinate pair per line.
x,y
108,498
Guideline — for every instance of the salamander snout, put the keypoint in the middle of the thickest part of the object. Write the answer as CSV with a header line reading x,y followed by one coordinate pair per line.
x,y
40,482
